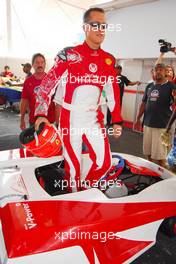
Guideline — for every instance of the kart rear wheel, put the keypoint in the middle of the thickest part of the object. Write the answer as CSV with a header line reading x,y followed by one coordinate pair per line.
x,y
168,227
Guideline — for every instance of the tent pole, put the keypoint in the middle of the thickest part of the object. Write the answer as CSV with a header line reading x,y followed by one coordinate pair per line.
x,y
9,25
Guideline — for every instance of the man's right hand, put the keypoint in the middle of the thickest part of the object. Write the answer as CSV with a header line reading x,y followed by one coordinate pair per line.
x,y
40,120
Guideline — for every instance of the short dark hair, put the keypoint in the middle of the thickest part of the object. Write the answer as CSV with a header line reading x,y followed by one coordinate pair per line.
x,y
86,15
6,67
119,67
37,55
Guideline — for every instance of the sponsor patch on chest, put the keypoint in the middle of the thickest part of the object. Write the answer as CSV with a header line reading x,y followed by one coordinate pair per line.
x,y
93,67
154,95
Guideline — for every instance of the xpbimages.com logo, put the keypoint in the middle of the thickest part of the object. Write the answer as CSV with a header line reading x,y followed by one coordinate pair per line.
x,y
91,78
103,184
94,132
96,26
81,235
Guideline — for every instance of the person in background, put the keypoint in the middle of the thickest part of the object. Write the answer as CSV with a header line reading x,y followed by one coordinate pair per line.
x,y
27,69
147,88
122,81
29,92
170,73
7,72
156,104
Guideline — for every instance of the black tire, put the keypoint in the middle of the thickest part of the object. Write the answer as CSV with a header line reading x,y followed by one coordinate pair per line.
x,y
168,227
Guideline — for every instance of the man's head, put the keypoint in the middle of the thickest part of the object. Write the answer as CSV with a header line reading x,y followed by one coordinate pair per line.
x,y
6,68
95,25
38,63
27,68
119,69
159,72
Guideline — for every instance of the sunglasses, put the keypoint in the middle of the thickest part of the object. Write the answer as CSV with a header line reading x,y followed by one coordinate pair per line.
x,y
97,25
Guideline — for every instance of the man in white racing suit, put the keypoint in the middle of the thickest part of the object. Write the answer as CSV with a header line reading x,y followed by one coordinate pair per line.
x,y
81,73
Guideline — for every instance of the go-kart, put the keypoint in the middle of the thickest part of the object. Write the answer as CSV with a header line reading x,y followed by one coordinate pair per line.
x,y
41,223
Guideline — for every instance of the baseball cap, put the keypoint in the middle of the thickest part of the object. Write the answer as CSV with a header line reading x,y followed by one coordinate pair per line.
x,y
28,65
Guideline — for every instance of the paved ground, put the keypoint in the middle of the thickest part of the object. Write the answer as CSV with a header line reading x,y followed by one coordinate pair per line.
x,y
9,131
164,252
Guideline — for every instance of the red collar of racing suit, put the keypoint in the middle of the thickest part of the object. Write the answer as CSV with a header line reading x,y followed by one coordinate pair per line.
x,y
88,49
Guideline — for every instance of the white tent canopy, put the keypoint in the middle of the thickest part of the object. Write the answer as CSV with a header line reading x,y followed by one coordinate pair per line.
x,y
37,26
40,26
45,26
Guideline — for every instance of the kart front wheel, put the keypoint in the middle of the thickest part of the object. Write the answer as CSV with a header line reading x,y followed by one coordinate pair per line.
x,y
168,227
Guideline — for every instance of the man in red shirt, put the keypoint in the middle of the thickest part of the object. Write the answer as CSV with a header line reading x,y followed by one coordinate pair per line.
x,y
28,97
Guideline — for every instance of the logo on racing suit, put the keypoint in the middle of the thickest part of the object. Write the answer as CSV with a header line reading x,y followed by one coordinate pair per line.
x,y
108,61
73,57
68,54
92,67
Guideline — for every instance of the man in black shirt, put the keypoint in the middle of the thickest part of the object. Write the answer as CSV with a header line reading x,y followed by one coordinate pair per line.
x,y
122,81
156,104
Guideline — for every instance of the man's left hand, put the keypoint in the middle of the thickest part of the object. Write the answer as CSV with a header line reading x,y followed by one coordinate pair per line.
x,y
117,130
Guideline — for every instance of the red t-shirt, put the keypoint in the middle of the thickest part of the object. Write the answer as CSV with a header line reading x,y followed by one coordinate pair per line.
x,y
7,74
29,93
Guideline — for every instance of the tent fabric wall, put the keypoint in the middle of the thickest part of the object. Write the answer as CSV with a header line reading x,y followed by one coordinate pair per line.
x,y
141,28
39,26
